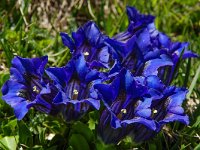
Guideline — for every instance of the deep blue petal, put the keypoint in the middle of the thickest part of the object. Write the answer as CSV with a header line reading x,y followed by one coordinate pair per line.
x,y
189,54
78,37
177,110
92,33
152,30
115,68
135,86
33,66
143,108
46,89
129,82
104,55
40,104
152,66
122,48
178,47
11,91
67,41
113,89
155,94
60,98
60,76
81,67
174,117
92,75
145,113
148,123
97,64
137,18
92,102
103,90
154,82
164,40
115,122
143,41
21,110
177,98
152,54
15,74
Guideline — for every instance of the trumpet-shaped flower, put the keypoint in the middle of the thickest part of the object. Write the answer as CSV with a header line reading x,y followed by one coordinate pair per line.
x,y
89,41
27,87
126,106
130,73
145,47
138,105
76,94
165,107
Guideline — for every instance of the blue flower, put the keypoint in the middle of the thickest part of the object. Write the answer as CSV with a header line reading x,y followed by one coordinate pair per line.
x,y
145,50
165,106
89,41
175,51
137,106
130,73
137,22
126,106
27,87
76,94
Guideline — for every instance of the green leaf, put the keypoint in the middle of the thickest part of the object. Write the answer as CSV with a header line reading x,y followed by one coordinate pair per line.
x,y
25,136
91,124
81,128
9,142
94,115
9,128
52,148
78,142
197,147
41,134
194,81
101,146
152,146
197,123
57,140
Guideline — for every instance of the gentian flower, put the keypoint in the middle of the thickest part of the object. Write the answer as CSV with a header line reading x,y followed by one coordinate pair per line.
x,y
165,106
27,87
126,106
130,73
151,57
138,107
89,41
175,50
144,48
74,82
130,55
137,22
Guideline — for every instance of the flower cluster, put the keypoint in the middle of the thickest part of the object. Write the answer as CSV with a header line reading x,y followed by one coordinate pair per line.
x,y
129,74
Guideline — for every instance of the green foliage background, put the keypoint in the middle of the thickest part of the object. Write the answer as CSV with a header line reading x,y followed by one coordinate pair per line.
x,y
31,29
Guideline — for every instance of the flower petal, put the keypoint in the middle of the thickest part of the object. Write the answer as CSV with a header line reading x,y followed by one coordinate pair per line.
x,y
137,18
67,41
60,76
21,110
113,89
177,98
152,66
11,91
174,117
148,123
34,66
81,67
